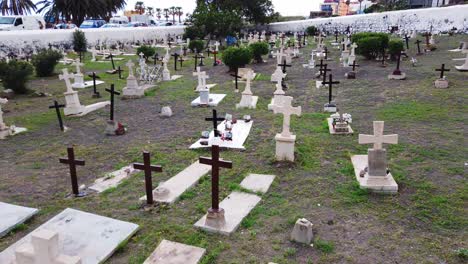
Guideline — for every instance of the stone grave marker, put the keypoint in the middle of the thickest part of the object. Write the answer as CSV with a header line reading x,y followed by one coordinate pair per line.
x,y
13,215
285,141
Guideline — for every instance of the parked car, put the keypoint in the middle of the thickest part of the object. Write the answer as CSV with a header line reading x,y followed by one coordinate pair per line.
x,y
121,20
93,23
112,25
8,23
65,26
137,24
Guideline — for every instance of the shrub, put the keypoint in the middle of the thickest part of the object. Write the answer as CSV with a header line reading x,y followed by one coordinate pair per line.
x,y
369,47
196,45
384,38
15,74
45,61
395,47
79,41
193,32
147,51
311,31
235,57
258,49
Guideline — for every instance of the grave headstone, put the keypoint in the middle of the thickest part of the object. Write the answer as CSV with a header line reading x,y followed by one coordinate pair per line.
x,y
285,141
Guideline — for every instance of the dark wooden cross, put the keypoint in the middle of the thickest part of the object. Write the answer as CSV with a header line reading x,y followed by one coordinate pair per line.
x,y
72,162
216,163
80,55
196,60
119,70
324,72
96,93
320,66
169,42
407,38
343,44
419,48
336,35
215,62
383,57
442,71
201,57
155,58
330,84
57,107
176,56
397,70
354,65
326,53
215,120
427,35
284,65
148,169
236,78
185,50
304,39
181,60
112,60
112,93
208,52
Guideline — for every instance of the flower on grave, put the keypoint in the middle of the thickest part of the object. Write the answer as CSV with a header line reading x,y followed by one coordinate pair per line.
x,y
120,129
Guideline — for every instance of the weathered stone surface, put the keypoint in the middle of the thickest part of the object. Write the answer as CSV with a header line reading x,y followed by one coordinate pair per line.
x,y
377,162
258,182
302,231
386,185
169,252
12,216
112,179
215,99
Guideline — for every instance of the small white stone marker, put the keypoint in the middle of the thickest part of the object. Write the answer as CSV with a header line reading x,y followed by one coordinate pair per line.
x,y
258,182
44,248
302,231
214,100
236,207
169,252
13,215
112,179
170,190
91,237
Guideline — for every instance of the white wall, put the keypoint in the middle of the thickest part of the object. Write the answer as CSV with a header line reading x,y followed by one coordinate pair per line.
x,y
441,18
27,39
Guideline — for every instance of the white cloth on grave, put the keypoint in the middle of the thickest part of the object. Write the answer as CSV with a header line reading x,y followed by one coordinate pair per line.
x,y
240,132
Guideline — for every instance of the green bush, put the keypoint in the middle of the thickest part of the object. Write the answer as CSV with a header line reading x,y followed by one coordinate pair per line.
x,y
235,57
196,45
395,47
147,51
370,44
258,49
193,32
79,41
45,61
15,74
311,31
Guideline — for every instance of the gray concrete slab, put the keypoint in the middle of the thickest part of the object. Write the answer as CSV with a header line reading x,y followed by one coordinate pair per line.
x,y
91,237
169,252
13,215
258,182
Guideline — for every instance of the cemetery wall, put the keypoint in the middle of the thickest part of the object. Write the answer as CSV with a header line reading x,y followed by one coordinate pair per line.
x,y
440,18
27,39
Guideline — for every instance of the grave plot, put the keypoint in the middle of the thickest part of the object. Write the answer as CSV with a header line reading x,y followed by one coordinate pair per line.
x,y
240,131
13,215
175,253
90,237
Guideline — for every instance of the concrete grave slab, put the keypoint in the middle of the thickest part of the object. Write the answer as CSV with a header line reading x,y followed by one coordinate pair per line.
x,y
90,108
170,190
236,207
91,237
112,179
169,252
215,99
333,132
240,132
175,77
258,182
385,185
90,83
208,86
13,215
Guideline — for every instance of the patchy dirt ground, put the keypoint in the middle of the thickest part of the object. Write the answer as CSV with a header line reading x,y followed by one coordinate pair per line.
x,y
424,223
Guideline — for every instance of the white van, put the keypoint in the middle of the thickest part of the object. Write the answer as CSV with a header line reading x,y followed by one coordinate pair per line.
x,y
8,23
121,20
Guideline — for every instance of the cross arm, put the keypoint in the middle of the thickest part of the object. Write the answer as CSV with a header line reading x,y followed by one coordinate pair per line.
x,y
77,162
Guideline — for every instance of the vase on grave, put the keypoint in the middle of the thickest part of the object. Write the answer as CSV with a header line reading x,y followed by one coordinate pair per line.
x,y
302,232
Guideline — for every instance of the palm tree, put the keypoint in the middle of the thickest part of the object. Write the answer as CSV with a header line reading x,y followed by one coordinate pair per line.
x,y
158,13
166,15
150,11
173,13
179,12
17,7
360,6
140,7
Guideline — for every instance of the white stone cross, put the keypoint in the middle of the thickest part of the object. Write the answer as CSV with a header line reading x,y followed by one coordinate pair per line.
x,y
2,101
201,77
287,110
378,139
249,77
43,249
216,46
78,64
66,77
353,49
142,56
130,66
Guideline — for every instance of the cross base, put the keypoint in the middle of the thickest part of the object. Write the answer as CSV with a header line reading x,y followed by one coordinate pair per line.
x,y
377,184
285,147
215,218
394,76
330,108
441,83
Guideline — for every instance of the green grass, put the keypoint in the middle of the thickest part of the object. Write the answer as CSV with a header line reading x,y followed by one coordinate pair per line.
x,y
414,111
326,247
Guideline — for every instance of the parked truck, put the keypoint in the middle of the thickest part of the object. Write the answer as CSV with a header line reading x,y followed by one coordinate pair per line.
x,y
8,23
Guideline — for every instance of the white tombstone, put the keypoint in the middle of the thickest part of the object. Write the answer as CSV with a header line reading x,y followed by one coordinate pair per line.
x,y
2,124
464,67
302,231
72,101
44,249
79,78
352,56
277,96
93,53
201,79
285,141
248,100
132,90
166,74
